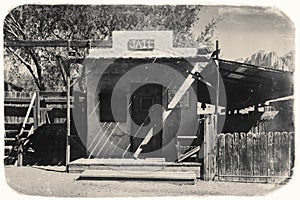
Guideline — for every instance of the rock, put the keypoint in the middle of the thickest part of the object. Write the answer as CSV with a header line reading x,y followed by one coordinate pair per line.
x,y
272,60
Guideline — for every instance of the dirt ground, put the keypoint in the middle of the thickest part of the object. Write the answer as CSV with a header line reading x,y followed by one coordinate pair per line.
x,y
53,181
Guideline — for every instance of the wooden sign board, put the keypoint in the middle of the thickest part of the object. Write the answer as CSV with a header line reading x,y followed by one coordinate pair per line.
x,y
141,44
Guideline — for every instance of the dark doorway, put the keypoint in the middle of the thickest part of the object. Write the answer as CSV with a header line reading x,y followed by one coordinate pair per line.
x,y
141,101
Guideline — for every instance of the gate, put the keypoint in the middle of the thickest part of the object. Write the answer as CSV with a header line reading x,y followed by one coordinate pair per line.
x,y
255,157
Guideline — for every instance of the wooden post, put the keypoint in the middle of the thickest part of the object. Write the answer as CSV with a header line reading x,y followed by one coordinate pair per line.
x,y
68,148
36,112
217,86
20,152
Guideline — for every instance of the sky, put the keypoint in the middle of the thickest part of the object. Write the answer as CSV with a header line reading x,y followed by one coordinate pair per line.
x,y
243,30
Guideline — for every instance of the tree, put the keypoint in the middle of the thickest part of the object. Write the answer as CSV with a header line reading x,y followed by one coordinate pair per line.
x,y
78,22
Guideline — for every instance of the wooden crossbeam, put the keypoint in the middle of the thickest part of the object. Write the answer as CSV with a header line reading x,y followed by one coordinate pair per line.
x,y
59,43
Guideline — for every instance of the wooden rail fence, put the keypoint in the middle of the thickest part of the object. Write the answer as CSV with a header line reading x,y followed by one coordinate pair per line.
x,y
48,106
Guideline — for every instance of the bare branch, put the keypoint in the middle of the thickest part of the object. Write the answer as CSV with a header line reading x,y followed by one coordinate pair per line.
x,y
27,65
17,25
11,32
62,68
38,67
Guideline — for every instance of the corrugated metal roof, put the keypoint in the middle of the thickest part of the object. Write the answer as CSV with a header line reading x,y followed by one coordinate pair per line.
x,y
248,85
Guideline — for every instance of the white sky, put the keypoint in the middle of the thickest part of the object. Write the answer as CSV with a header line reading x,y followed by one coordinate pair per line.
x,y
246,30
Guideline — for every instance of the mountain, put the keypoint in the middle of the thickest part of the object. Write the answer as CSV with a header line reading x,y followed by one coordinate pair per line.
x,y
271,60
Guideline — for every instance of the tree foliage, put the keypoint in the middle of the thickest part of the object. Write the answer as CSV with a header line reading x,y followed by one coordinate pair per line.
x,y
79,22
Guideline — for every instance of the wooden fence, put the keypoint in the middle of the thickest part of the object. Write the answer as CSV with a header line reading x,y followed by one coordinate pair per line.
x,y
255,157
50,107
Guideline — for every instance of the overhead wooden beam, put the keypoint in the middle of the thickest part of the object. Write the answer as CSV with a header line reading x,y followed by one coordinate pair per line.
x,y
59,43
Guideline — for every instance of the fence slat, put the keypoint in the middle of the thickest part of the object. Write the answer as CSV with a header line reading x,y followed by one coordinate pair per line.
x,y
285,154
263,154
243,155
256,156
270,156
291,152
249,163
235,156
277,154
221,154
228,154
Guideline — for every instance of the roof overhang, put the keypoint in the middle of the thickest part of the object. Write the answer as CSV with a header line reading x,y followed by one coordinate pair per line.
x,y
248,85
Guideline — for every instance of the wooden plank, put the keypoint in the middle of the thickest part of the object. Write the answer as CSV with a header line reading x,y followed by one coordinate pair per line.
x,y
243,155
36,111
68,144
270,156
249,164
52,94
213,151
189,153
27,115
59,43
14,100
221,154
236,155
257,156
245,176
186,137
291,152
285,154
141,175
228,153
277,151
263,148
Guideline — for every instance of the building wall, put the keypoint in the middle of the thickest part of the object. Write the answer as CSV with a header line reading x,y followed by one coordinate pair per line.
x,y
111,138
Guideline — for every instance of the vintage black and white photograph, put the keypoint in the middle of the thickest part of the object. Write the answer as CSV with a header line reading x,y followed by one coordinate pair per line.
x,y
148,100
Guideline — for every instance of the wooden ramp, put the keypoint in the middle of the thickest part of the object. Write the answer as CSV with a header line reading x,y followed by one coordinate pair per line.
x,y
187,177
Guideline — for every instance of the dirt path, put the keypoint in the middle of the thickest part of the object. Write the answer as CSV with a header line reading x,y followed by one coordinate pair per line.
x,y
53,181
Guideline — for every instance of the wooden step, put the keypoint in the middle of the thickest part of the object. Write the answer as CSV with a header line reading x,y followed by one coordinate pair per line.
x,y
80,165
141,175
130,162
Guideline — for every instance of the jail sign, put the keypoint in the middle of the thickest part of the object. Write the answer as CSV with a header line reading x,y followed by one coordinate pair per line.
x,y
140,44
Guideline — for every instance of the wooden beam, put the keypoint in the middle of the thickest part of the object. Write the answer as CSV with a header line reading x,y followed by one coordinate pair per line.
x,y
68,147
189,153
59,43
36,113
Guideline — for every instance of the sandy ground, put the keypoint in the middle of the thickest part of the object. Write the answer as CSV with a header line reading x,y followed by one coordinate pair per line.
x,y
53,181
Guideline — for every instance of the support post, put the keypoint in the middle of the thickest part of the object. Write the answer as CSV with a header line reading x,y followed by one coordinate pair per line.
x,y
217,84
216,109
211,129
20,152
36,112
68,148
